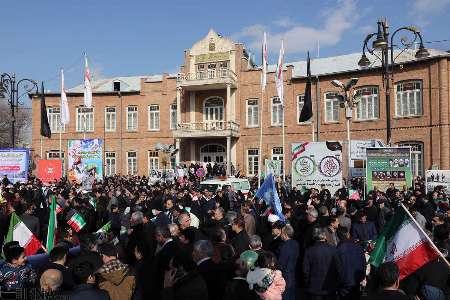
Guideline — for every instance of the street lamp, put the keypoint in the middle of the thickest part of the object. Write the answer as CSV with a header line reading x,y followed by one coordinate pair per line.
x,y
387,59
9,89
348,102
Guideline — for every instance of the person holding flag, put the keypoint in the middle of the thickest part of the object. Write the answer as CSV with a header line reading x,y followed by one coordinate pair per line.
x,y
269,194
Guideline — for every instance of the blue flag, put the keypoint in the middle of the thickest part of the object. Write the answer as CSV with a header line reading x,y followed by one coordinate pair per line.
x,y
269,193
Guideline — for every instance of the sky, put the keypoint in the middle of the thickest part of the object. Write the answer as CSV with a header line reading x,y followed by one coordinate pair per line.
x,y
143,37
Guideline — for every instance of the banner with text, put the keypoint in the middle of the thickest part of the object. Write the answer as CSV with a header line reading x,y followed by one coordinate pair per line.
x,y
273,166
49,170
14,164
317,163
388,165
436,178
358,148
85,161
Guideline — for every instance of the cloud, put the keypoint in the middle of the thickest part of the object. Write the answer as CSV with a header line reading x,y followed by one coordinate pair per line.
x,y
424,10
299,37
284,22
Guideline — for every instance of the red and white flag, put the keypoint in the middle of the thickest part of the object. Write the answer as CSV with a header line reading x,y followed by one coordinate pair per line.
x,y
87,84
279,74
264,63
18,231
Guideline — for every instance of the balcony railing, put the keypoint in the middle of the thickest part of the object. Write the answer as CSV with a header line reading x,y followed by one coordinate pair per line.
x,y
208,129
207,74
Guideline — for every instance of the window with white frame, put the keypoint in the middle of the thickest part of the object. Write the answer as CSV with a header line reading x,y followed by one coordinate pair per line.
x,y
110,119
277,154
131,163
252,113
132,118
277,112
56,155
408,99
110,163
367,107
153,161
173,116
153,117
54,119
252,162
300,104
331,107
416,156
85,119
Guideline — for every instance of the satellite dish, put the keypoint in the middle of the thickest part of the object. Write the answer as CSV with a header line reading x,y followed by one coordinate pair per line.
x,y
158,147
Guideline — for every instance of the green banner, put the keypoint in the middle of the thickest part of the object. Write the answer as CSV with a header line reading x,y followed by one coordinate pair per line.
x,y
388,165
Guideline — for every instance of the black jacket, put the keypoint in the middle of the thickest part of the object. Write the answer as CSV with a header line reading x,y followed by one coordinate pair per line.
x,y
238,289
190,287
241,242
88,292
214,276
68,283
320,268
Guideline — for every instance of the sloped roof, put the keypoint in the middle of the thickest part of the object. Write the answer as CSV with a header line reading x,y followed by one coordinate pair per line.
x,y
349,62
127,84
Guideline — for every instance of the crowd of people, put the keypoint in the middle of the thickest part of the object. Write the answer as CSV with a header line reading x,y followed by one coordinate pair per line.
x,y
171,240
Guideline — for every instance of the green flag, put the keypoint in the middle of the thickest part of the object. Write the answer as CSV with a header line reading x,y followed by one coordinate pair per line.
x,y
52,223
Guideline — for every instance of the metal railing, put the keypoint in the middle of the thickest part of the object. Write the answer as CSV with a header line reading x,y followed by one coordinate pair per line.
x,y
209,126
207,74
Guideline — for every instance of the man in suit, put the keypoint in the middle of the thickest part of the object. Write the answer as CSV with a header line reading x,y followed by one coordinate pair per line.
x,y
287,261
31,221
241,241
320,267
212,273
364,230
164,253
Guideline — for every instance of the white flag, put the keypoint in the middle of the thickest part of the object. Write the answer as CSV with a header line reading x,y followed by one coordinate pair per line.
x,y
65,116
264,63
279,74
87,84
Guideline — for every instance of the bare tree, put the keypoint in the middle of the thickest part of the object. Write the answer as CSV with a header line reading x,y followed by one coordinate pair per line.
x,y
23,126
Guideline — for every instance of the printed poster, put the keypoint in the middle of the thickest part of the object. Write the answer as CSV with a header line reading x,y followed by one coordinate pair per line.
x,y
388,165
358,148
434,178
49,170
317,163
85,161
273,166
14,164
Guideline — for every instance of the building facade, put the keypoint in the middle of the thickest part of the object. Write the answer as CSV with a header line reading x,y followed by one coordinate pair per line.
x,y
213,110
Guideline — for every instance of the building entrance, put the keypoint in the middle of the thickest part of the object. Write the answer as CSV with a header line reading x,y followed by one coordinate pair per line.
x,y
213,154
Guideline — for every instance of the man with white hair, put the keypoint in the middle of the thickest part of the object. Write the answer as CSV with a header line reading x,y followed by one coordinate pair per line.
x,y
51,280
212,273
320,266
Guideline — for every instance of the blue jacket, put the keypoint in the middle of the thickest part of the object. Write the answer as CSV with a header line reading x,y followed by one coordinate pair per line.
x,y
320,268
364,232
353,265
287,261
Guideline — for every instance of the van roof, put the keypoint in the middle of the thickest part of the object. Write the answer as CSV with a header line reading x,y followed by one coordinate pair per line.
x,y
223,181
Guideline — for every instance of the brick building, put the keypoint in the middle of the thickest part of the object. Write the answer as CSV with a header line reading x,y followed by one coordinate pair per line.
x,y
211,110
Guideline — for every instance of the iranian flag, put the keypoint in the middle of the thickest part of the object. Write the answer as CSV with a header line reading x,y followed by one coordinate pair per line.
x,y
403,242
105,228
52,225
87,84
76,222
18,231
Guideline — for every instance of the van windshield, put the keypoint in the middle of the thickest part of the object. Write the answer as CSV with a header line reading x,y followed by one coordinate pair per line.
x,y
245,185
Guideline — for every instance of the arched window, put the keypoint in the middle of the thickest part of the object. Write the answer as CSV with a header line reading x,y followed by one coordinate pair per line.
x,y
213,114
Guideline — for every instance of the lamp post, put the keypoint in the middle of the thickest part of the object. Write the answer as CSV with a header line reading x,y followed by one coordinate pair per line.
x,y
9,88
386,57
347,101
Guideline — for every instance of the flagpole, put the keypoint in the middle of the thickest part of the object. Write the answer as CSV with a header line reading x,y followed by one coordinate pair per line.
x,y
41,147
260,138
284,149
426,235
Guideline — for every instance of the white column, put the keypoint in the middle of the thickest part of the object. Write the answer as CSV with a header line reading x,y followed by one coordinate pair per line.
x,y
177,155
228,155
179,105
229,118
192,107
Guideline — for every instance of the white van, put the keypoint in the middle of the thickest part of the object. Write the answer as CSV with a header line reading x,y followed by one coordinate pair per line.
x,y
238,184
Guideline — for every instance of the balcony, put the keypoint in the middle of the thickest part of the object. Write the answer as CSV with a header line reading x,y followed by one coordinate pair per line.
x,y
211,79
207,129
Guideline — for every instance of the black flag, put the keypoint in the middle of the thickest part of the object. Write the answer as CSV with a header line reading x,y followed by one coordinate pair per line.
x,y
45,127
306,112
